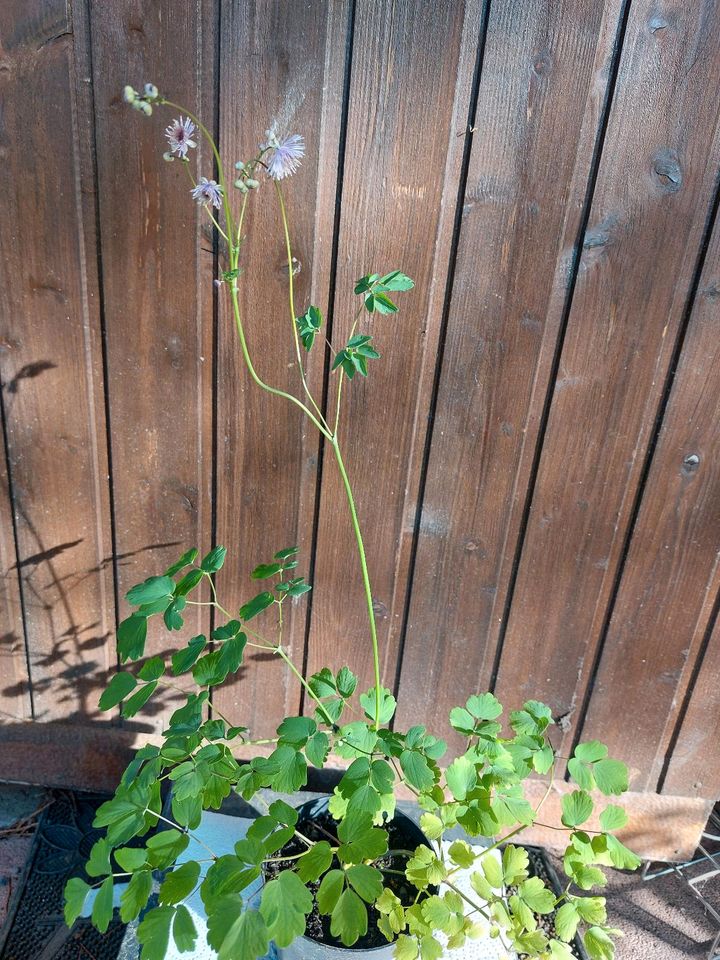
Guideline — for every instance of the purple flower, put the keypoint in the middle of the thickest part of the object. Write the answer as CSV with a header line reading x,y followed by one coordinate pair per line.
x,y
284,155
179,135
208,191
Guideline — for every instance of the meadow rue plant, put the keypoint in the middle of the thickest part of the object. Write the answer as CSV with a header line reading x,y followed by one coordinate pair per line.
x,y
344,876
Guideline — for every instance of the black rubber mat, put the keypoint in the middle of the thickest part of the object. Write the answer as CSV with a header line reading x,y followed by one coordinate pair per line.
x,y
38,931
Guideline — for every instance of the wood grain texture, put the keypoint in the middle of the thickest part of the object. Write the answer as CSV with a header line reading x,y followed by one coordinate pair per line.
x,y
693,769
399,190
14,678
267,451
656,180
541,90
50,362
157,275
672,574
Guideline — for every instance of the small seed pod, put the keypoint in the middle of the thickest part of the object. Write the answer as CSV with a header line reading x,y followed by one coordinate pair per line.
x,y
240,184
129,94
150,91
252,184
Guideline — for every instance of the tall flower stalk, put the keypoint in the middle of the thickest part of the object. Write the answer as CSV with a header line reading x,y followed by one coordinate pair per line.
x,y
346,880
278,158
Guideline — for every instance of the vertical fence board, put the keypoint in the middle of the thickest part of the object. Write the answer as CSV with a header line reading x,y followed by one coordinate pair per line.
x,y
157,275
541,91
267,452
694,765
656,181
14,679
672,574
399,191
50,364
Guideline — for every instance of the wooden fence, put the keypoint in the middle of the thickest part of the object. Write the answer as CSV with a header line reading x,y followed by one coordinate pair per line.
x,y
536,455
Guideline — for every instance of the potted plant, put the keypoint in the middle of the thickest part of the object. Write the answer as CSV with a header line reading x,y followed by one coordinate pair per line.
x,y
339,863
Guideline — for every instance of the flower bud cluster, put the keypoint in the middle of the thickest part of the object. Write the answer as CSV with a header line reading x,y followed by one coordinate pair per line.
x,y
142,102
245,181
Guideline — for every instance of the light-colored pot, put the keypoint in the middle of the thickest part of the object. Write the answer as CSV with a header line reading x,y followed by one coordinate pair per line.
x,y
306,949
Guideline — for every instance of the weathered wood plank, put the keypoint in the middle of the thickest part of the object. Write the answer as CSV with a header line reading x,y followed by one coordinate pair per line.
x,y
694,767
672,573
656,181
399,191
50,362
14,679
157,274
267,453
541,92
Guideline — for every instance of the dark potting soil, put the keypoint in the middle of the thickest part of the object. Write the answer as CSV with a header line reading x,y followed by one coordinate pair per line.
x,y
323,827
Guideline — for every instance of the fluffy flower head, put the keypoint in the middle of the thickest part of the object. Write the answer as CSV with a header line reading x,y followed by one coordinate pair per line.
x,y
179,136
284,156
208,191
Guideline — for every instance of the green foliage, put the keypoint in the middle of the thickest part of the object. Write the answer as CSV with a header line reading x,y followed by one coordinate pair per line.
x,y
308,325
374,290
285,904
253,607
132,634
590,767
368,702
190,556
153,933
136,895
150,591
354,356
214,560
475,719
183,660
576,808
103,906
76,891
480,789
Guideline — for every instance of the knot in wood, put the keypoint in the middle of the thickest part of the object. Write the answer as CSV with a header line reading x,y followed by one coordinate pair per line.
x,y
542,63
666,167
657,23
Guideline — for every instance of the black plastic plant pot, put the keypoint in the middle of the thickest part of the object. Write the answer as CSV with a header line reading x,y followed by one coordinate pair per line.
x,y
318,944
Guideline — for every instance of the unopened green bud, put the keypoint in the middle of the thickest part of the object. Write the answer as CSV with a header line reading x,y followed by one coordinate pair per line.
x,y
252,184
240,184
129,94
168,157
146,108
239,165
150,91
494,932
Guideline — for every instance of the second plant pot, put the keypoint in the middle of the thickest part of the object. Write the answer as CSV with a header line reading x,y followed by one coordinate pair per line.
x,y
318,944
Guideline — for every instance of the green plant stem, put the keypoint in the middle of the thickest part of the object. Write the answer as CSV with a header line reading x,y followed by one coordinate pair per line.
x,y
341,379
467,899
251,369
283,656
365,577
218,160
186,164
183,830
291,298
